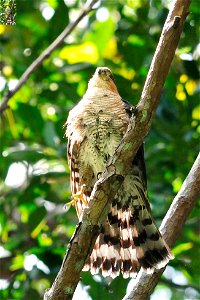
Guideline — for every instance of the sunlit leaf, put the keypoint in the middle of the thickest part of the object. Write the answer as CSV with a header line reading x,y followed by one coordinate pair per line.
x,y
126,73
182,248
183,78
86,52
190,87
196,113
40,285
43,239
17,262
110,50
105,43
37,221
136,40
177,183
180,94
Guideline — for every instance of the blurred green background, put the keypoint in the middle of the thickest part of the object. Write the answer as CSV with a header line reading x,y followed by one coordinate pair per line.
x,y
122,35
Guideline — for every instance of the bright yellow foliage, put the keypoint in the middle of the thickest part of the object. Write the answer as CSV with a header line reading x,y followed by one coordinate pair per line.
x,y
190,87
111,49
196,113
85,52
183,78
180,94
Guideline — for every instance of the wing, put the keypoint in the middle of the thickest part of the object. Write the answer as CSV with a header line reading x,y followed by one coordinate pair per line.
x,y
139,157
80,175
73,162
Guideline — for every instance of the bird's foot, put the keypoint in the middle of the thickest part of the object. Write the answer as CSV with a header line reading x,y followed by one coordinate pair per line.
x,y
78,197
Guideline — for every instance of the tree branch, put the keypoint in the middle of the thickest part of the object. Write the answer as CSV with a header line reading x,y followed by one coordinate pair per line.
x,y
106,187
180,286
170,228
45,54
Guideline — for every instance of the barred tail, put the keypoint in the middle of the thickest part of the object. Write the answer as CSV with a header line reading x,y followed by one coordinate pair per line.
x,y
129,239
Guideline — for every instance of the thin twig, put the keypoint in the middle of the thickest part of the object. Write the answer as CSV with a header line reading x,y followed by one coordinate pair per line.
x,y
107,186
180,286
45,54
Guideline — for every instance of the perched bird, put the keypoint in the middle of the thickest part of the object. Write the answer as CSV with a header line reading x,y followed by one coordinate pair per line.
x,y
129,237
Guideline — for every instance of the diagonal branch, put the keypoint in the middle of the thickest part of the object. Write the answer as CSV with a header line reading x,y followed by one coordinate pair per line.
x,y
45,54
104,190
170,228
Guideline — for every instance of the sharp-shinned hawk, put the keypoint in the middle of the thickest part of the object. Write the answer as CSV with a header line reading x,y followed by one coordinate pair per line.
x,y
129,237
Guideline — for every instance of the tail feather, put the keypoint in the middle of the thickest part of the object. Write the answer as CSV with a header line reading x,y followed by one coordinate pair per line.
x,y
129,239
152,251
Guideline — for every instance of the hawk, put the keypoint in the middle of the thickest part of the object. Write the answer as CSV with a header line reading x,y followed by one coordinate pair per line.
x,y
129,238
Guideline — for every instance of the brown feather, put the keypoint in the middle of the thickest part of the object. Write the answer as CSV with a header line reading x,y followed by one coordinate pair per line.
x,y
129,238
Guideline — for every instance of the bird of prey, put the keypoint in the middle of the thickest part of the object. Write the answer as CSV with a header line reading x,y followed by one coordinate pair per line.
x,y
129,238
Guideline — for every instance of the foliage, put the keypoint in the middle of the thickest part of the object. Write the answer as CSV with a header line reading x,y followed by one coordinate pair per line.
x,y
7,12
35,228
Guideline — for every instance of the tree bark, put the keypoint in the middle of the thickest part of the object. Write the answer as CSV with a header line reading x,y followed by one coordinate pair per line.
x,y
107,186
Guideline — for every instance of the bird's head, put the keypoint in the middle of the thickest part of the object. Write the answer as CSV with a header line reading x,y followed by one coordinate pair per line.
x,y
104,73
103,78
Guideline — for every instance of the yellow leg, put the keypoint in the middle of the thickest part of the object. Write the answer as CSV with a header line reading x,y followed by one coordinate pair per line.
x,y
78,197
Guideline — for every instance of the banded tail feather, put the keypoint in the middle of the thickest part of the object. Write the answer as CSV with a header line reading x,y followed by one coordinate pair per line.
x,y
129,239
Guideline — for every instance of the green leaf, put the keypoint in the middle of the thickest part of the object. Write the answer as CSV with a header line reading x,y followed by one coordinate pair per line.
x,y
49,134
35,219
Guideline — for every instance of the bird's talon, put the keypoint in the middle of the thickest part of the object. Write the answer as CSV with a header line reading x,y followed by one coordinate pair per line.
x,y
70,203
79,196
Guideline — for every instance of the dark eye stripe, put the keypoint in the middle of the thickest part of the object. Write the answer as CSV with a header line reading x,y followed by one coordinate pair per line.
x,y
112,77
